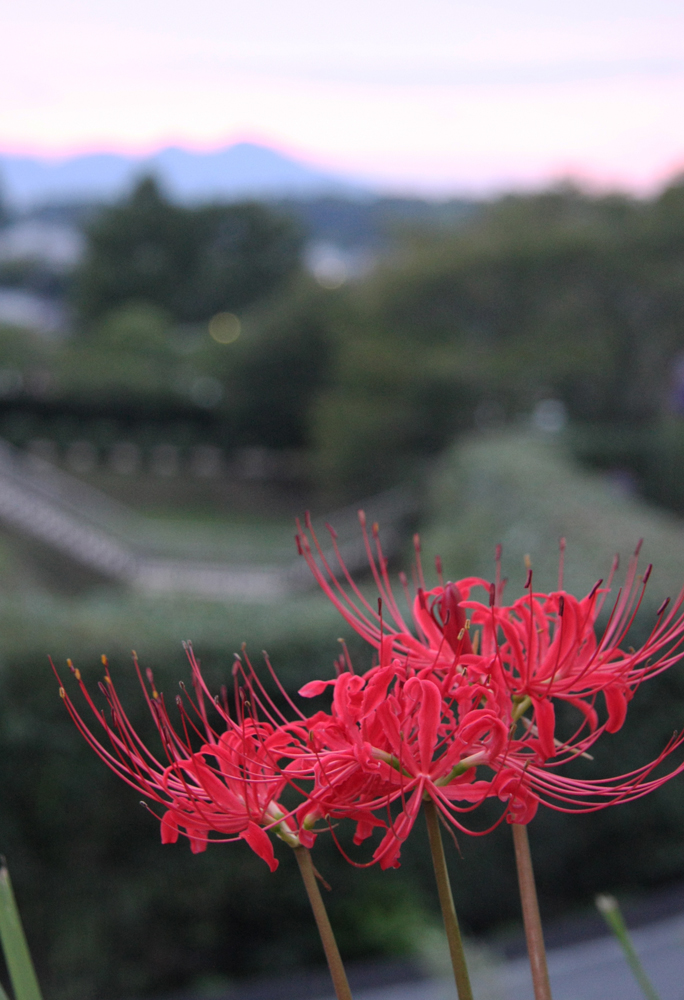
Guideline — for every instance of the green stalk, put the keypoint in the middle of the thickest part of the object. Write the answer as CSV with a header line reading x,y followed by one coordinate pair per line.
x,y
17,955
609,909
446,900
531,918
332,952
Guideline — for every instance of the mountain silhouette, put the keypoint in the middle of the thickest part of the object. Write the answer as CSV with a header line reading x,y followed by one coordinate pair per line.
x,y
243,170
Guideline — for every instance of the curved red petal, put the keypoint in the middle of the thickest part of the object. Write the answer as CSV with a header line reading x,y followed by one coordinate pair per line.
x,y
261,844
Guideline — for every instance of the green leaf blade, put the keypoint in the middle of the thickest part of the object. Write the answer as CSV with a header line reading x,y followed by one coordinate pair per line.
x,y
14,944
610,911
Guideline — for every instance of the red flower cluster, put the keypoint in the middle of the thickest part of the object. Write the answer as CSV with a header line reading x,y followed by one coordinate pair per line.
x,y
490,676
459,708
230,785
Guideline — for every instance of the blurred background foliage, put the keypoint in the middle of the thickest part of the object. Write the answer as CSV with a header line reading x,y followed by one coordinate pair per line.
x,y
192,262
519,364
454,326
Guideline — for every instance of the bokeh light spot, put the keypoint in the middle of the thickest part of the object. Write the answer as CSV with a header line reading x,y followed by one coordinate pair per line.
x,y
224,328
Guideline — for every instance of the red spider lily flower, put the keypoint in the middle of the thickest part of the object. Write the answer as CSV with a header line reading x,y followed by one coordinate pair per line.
x,y
540,648
230,785
524,785
392,738
442,716
506,661
547,648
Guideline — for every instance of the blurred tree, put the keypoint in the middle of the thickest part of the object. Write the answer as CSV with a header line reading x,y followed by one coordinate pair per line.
x,y
129,355
392,404
193,262
557,295
24,349
280,364
553,296
134,326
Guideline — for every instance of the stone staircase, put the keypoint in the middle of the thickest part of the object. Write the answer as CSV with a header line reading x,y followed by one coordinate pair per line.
x,y
88,529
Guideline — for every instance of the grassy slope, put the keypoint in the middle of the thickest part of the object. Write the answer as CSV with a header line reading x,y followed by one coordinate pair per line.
x,y
524,491
37,620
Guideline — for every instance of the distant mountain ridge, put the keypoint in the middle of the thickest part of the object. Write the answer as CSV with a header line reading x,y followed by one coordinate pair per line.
x,y
242,170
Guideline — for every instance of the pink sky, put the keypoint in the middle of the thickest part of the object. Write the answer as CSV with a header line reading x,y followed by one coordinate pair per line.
x,y
441,96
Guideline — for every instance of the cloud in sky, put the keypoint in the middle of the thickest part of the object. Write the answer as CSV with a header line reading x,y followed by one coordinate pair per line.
x,y
441,95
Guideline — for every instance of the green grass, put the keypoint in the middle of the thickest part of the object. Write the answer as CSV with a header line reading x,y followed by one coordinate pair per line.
x,y
235,537
43,614
526,492
38,624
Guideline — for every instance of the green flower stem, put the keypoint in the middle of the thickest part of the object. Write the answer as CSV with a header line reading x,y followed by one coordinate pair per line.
x,y
531,918
610,911
446,900
332,952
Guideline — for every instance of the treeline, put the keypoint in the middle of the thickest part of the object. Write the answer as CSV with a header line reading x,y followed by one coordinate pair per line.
x,y
554,296
558,295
